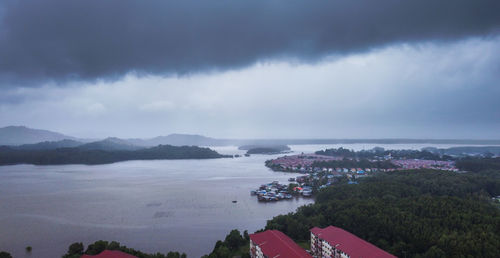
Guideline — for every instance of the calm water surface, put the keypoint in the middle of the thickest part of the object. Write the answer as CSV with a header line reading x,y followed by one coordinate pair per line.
x,y
153,206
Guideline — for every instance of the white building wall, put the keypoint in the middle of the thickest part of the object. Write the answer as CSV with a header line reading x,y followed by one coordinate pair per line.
x,y
258,252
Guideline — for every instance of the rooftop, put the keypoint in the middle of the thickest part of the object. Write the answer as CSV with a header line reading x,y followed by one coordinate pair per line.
x,y
350,244
274,243
109,254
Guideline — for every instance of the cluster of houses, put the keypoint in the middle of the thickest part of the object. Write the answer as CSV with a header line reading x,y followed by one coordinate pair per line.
x,y
424,163
298,162
304,163
329,242
275,191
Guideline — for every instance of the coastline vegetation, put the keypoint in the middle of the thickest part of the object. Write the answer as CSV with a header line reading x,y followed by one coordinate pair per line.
x,y
4,254
413,213
234,245
479,164
11,156
265,149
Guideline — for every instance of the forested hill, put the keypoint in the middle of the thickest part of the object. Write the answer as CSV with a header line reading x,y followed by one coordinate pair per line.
x,y
409,214
11,156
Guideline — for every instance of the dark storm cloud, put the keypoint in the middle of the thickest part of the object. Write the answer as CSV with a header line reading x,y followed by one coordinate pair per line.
x,y
64,40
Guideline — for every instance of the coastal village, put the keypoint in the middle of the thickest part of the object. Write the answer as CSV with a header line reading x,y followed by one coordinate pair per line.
x,y
317,172
305,163
275,191
329,241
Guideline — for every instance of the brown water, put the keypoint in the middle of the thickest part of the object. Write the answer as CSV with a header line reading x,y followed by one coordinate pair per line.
x,y
153,206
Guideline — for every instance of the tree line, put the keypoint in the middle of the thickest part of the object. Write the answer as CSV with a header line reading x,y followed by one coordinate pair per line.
x,y
417,213
76,250
11,156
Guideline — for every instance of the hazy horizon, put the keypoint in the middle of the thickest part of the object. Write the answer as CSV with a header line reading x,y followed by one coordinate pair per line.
x,y
250,139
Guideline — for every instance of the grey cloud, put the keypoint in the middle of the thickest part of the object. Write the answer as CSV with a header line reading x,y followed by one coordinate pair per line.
x,y
429,91
59,40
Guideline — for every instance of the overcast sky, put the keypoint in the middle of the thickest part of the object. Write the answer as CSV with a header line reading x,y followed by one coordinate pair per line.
x,y
252,69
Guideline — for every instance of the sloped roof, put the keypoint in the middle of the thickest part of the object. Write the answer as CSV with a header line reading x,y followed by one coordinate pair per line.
x,y
350,244
274,243
109,254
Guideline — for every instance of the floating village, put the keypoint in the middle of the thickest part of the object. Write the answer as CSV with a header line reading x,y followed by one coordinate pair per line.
x,y
275,191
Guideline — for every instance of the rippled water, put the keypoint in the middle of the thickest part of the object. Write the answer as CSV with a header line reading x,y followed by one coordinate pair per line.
x,y
154,206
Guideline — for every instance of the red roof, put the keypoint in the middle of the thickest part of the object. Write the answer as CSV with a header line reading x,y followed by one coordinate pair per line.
x,y
274,243
109,254
348,243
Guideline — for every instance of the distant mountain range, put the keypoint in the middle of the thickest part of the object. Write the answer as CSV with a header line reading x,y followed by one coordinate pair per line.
x,y
48,145
18,135
110,144
28,138
179,140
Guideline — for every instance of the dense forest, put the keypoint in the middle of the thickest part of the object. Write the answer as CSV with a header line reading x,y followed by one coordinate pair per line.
x,y
478,164
419,213
76,250
4,254
234,245
10,156
415,213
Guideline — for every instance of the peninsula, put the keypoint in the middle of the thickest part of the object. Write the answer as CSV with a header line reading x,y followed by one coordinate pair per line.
x,y
12,156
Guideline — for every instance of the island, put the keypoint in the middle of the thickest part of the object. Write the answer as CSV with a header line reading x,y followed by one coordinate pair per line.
x,y
265,149
60,156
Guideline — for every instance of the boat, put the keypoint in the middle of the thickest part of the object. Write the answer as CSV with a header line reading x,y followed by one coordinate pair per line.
x,y
306,192
235,201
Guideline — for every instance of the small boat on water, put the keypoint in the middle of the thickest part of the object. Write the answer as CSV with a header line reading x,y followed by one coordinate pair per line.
x,y
235,201
306,193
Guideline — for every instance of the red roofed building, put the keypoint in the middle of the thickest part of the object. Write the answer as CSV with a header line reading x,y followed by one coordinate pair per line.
x,y
109,254
273,243
336,242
